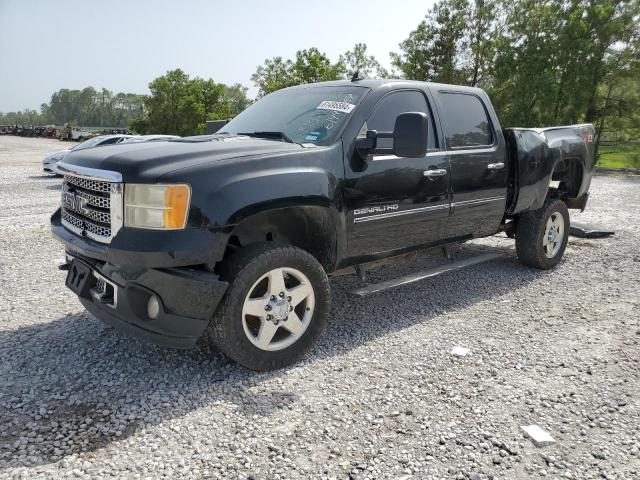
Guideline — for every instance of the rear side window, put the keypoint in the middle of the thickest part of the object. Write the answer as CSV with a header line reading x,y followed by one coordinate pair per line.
x,y
465,120
111,141
384,116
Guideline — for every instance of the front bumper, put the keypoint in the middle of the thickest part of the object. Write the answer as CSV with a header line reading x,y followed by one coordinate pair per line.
x,y
49,168
138,265
187,299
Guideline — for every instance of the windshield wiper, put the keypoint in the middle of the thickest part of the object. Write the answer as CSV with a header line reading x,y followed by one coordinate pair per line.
x,y
280,135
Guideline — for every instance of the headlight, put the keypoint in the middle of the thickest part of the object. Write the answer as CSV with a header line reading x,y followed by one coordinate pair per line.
x,y
162,207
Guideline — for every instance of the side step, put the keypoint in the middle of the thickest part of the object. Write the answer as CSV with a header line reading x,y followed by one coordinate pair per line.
x,y
585,231
431,272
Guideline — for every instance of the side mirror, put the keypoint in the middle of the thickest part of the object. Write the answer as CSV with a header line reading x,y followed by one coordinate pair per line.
x,y
410,135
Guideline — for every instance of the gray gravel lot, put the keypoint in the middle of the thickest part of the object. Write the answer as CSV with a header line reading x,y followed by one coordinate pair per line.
x,y
380,397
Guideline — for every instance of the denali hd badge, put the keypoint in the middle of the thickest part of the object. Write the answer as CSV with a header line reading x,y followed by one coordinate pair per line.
x,y
376,209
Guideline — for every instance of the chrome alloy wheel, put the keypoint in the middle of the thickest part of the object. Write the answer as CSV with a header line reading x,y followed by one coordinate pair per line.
x,y
278,309
553,235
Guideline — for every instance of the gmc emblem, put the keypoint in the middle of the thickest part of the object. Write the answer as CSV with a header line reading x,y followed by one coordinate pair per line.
x,y
73,202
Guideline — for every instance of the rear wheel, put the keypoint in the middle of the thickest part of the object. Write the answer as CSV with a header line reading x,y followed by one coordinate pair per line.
x,y
542,236
275,309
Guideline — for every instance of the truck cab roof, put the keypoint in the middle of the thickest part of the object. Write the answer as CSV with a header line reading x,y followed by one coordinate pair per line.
x,y
390,84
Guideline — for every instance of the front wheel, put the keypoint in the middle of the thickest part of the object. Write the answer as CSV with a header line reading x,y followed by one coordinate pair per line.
x,y
275,309
542,235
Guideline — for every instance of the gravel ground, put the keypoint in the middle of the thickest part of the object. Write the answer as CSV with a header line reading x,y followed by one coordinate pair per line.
x,y
380,397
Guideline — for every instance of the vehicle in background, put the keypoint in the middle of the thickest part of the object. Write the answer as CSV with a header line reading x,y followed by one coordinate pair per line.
x,y
114,131
75,133
49,164
150,138
50,131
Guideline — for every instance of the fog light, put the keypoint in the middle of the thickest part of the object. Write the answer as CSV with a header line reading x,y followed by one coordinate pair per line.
x,y
153,307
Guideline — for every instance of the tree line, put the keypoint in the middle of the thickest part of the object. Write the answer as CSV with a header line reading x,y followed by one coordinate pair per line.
x,y
87,107
542,62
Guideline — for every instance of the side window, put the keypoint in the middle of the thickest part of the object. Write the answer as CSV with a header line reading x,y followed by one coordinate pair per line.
x,y
111,141
384,116
465,120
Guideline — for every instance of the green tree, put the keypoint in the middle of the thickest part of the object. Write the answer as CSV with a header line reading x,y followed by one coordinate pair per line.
x,y
23,117
181,105
309,66
273,75
358,60
480,38
433,52
523,80
91,108
564,62
236,97
313,66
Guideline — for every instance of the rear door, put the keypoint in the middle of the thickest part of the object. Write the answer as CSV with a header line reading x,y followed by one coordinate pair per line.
x,y
477,158
395,203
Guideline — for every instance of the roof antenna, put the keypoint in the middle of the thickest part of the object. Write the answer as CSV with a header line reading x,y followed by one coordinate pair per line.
x,y
356,76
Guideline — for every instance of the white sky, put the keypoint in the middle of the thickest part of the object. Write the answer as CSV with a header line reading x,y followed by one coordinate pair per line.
x,y
123,45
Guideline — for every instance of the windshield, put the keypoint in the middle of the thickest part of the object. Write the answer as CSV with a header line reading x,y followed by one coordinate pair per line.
x,y
303,115
92,142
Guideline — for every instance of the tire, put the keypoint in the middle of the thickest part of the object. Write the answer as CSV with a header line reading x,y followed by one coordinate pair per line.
x,y
536,246
254,273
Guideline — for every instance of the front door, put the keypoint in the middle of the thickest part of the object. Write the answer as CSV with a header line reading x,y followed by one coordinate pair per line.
x,y
396,203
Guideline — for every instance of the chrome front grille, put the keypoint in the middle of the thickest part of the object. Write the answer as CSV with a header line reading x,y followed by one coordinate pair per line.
x,y
95,200
88,184
91,229
91,204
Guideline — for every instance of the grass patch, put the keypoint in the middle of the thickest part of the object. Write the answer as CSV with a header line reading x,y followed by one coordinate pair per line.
x,y
619,156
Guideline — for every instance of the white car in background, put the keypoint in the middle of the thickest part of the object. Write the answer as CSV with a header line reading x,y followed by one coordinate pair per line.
x,y
50,161
150,138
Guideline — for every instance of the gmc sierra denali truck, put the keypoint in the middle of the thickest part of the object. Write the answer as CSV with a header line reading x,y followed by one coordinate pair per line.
x,y
229,238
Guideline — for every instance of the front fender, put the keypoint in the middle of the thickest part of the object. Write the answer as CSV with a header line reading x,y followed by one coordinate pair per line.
x,y
228,192
248,194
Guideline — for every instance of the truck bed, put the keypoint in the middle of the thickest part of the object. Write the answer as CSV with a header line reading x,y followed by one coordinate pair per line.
x,y
538,156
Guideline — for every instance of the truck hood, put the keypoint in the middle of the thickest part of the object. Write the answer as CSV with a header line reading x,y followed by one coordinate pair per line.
x,y
146,162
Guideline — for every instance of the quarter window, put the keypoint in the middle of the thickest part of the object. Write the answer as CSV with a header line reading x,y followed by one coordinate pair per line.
x,y
465,120
111,141
383,118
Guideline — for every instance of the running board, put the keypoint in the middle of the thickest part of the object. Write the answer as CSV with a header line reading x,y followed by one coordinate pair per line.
x,y
585,231
431,272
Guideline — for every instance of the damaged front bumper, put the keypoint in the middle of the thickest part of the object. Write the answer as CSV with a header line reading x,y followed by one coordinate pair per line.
x,y
145,283
169,307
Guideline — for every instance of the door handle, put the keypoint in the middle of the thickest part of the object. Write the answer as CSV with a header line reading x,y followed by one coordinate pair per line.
x,y
496,166
435,173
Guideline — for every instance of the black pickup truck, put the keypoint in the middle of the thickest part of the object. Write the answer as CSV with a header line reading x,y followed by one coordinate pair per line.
x,y
229,238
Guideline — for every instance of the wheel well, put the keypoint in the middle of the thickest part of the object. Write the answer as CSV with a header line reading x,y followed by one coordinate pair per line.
x,y
568,175
310,228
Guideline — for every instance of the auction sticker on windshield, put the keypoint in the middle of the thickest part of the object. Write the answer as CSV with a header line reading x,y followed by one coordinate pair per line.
x,y
344,107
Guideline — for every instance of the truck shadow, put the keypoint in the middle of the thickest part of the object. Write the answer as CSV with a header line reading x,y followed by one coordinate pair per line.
x,y
85,386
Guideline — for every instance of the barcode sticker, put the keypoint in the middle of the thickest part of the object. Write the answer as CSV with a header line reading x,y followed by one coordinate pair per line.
x,y
344,107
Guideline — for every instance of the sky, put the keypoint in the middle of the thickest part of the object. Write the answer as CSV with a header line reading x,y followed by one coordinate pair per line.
x,y
123,45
